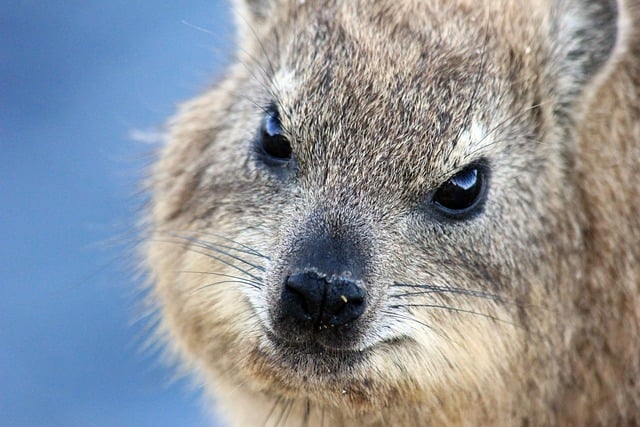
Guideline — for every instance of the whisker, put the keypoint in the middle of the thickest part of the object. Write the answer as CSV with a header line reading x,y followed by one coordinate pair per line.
x,y
259,40
265,76
269,80
454,309
307,411
509,120
215,273
222,282
402,316
216,248
272,411
222,260
476,86
289,411
245,248
222,42
433,289
283,415
220,249
443,291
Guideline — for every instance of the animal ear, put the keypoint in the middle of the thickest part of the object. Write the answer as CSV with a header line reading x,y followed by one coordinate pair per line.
x,y
584,34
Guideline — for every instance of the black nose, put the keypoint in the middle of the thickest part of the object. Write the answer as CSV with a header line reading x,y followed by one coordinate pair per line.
x,y
320,301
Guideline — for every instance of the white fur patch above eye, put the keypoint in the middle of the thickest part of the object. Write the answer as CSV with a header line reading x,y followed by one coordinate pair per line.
x,y
475,133
472,139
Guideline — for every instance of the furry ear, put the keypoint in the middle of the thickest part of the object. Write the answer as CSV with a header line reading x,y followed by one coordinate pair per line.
x,y
584,34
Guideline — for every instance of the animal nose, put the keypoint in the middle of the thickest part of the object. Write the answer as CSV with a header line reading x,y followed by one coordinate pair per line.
x,y
322,302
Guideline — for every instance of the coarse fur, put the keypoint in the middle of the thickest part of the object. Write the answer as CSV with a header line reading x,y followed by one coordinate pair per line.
x,y
527,313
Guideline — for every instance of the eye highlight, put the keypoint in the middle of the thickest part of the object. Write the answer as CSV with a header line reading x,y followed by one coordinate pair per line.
x,y
461,196
271,140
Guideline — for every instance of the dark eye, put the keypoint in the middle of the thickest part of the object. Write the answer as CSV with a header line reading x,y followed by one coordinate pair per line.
x,y
271,138
462,194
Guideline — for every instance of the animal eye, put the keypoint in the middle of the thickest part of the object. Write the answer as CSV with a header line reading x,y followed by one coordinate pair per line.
x,y
461,195
271,137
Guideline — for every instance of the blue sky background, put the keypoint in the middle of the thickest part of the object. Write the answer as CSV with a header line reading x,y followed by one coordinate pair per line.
x,y
77,79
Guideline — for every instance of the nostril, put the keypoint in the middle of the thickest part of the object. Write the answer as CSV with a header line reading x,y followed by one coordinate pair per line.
x,y
303,295
344,303
343,294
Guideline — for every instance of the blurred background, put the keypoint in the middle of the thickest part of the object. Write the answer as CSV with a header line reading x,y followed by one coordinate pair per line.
x,y
83,85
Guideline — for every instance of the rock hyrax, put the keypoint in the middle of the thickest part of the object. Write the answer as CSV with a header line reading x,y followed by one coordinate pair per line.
x,y
410,213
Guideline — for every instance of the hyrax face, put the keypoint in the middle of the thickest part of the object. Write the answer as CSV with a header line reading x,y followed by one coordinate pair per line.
x,y
373,208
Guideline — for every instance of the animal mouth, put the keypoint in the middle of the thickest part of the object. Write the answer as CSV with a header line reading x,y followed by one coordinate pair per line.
x,y
315,344
317,355
316,359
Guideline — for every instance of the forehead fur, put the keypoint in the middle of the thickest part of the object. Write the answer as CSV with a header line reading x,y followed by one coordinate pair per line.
x,y
374,84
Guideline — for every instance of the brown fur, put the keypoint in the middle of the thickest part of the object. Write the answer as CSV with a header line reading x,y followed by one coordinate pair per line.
x,y
533,315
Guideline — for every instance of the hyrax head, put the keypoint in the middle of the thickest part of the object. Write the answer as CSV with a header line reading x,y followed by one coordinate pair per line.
x,y
377,194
